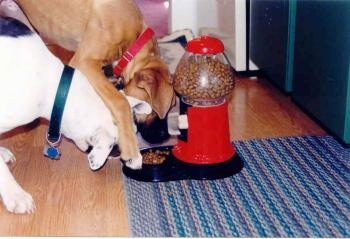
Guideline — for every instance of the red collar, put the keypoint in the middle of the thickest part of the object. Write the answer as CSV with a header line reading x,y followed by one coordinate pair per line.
x,y
132,51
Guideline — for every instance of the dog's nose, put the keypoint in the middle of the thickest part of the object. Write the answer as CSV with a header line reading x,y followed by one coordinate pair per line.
x,y
155,132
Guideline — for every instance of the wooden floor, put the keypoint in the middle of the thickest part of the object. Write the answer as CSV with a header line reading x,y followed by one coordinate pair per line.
x,y
71,200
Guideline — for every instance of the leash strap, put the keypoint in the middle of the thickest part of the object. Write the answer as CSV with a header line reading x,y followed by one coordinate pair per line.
x,y
130,53
53,136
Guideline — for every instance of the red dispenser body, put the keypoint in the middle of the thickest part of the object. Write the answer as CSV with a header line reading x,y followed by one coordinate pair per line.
x,y
208,137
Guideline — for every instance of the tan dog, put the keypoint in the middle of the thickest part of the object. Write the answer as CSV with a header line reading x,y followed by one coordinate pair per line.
x,y
99,31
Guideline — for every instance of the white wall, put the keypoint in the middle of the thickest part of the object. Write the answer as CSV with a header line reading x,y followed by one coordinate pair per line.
x,y
225,19
182,14
195,14
207,13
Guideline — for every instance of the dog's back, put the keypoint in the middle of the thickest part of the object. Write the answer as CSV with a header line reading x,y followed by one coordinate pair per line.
x,y
21,72
70,25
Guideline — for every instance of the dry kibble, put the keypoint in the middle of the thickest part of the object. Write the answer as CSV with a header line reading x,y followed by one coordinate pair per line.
x,y
154,157
203,78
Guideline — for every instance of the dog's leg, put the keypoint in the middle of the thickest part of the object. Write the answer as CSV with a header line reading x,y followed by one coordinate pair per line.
x,y
118,106
15,199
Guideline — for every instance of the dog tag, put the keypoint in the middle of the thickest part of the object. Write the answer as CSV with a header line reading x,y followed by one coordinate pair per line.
x,y
51,152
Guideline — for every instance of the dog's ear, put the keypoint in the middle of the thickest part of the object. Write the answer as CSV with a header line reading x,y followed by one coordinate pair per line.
x,y
156,82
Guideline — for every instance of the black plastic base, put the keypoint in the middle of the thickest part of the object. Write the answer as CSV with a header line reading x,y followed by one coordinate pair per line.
x,y
173,169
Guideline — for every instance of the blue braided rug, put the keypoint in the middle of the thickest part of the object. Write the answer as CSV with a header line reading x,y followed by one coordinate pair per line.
x,y
289,187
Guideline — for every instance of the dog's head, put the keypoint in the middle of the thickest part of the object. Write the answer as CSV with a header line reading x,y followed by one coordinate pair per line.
x,y
147,78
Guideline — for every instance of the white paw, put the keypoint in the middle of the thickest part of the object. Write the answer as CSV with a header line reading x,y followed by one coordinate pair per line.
x,y
135,163
6,155
16,200
96,162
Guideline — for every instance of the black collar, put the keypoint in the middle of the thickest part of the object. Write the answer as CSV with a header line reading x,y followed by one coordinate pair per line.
x,y
53,136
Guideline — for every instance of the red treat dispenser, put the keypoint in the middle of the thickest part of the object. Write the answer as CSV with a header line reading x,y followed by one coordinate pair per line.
x,y
203,150
202,79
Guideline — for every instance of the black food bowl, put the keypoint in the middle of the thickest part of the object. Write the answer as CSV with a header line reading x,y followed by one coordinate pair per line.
x,y
165,167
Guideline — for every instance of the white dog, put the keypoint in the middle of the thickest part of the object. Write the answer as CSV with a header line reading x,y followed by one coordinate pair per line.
x,y
29,77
